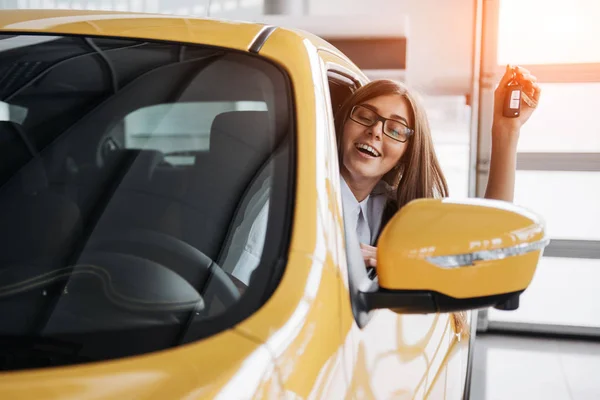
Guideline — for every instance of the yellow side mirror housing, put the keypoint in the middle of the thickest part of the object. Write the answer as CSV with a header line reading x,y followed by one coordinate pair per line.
x,y
442,255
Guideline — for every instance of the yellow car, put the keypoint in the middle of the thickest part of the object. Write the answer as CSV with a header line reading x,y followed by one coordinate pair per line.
x,y
136,153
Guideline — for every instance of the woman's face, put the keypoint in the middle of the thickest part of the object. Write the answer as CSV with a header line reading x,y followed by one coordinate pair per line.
x,y
360,163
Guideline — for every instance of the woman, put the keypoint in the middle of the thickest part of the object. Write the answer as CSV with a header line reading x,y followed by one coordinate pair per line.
x,y
387,157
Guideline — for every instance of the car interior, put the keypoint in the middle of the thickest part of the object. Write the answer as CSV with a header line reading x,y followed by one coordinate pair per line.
x,y
101,237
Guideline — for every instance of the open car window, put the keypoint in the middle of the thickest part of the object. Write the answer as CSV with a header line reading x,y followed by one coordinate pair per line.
x,y
131,173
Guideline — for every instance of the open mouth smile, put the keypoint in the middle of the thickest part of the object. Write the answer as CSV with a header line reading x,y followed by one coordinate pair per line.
x,y
366,149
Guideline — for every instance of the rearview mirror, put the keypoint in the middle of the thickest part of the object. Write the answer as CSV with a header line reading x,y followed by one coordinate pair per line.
x,y
443,255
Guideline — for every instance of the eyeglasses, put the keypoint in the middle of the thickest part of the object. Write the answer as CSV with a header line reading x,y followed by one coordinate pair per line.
x,y
392,128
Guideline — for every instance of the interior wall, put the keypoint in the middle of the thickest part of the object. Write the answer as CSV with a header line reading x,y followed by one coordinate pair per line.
x,y
237,9
440,43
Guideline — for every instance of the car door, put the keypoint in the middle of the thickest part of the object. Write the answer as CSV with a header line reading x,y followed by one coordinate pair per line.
x,y
388,355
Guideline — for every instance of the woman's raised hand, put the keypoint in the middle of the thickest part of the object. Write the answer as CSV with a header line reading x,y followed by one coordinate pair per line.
x,y
530,94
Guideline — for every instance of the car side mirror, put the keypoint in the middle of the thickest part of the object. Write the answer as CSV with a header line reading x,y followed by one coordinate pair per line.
x,y
444,255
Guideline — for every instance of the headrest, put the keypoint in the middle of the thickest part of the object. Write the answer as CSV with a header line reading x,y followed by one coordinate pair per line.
x,y
242,130
20,158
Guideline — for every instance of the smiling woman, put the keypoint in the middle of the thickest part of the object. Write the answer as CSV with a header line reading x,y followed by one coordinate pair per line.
x,y
355,149
386,117
387,157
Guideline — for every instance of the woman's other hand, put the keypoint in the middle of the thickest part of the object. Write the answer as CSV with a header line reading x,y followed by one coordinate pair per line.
x,y
369,255
502,125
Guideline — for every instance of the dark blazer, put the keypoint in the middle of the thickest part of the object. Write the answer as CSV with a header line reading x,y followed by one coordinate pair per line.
x,y
391,208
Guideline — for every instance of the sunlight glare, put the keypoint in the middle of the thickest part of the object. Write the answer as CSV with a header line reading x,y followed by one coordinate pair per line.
x,y
548,32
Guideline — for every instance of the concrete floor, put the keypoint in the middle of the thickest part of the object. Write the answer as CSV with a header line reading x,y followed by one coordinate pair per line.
x,y
517,367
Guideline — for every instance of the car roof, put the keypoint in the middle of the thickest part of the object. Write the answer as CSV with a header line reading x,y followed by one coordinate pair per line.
x,y
219,32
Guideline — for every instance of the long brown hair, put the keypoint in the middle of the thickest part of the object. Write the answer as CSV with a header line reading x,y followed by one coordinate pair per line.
x,y
418,173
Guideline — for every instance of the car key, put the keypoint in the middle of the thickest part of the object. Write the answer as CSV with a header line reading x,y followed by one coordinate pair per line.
x,y
512,98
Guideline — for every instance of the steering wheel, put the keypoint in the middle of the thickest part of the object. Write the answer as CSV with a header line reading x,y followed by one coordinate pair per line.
x,y
187,261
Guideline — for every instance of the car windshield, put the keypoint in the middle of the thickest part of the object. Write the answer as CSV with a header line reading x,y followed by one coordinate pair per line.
x,y
144,194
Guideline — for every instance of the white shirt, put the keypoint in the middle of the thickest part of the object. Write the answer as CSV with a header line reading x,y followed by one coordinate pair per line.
x,y
372,208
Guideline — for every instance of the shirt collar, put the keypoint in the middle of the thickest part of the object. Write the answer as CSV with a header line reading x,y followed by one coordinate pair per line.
x,y
350,200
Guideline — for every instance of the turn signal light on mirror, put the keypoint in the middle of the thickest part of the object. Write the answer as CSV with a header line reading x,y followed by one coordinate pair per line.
x,y
469,259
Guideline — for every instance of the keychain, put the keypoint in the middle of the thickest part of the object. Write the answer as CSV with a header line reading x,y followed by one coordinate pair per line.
x,y
512,98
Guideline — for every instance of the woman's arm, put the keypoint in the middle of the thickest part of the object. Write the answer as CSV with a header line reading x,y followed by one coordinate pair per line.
x,y
505,135
503,164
